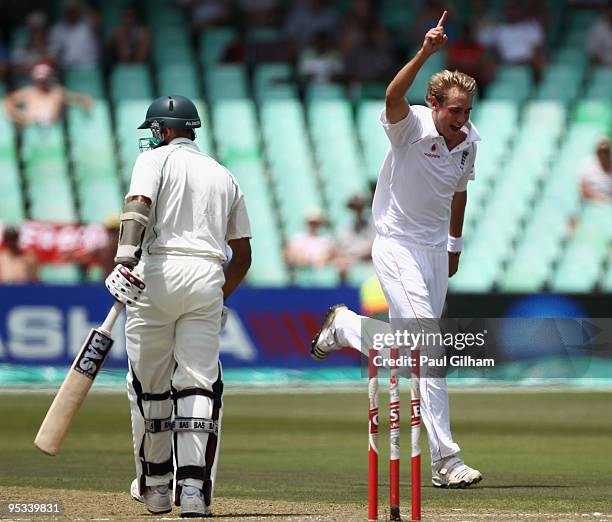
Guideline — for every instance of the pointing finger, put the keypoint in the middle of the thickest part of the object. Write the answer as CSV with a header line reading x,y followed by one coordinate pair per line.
x,y
442,19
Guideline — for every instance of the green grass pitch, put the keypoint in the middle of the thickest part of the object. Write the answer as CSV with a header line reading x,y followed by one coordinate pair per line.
x,y
538,452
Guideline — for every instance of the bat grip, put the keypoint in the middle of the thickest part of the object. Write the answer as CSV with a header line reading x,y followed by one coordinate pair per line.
x,y
108,323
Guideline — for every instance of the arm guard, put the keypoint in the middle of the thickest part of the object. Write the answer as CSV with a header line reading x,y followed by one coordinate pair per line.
x,y
134,220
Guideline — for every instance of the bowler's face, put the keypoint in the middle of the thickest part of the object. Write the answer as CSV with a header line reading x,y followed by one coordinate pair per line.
x,y
453,113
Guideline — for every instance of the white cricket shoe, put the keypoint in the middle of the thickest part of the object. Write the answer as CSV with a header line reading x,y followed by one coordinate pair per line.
x,y
192,503
156,498
134,491
325,341
452,472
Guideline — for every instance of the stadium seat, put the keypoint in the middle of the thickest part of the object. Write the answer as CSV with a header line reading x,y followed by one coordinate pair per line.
x,y
178,77
226,82
599,85
85,80
92,149
324,277
129,114
513,82
561,82
51,198
12,208
99,199
213,42
341,167
235,124
597,113
435,63
374,141
204,135
130,81
60,274
274,81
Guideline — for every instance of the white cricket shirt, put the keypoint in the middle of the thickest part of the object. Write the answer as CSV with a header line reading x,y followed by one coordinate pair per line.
x,y
419,177
197,205
595,177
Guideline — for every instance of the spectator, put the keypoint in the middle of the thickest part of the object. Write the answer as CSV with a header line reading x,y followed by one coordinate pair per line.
x,y
74,40
596,174
371,60
519,40
42,103
34,48
599,40
355,241
16,267
309,18
469,56
320,62
130,42
313,248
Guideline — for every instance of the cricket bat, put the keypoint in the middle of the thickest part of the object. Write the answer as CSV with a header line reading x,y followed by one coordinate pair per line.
x,y
76,385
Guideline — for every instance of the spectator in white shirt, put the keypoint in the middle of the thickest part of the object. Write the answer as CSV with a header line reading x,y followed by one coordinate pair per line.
x,y
313,248
74,40
518,40
596,175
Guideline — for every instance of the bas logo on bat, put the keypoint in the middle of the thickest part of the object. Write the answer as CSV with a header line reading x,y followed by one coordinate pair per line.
x,y
93,354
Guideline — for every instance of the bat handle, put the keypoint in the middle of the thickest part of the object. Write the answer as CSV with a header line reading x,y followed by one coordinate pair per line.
x,y
108,323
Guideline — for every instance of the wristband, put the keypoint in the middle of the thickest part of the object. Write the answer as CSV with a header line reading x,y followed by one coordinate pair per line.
x,y
455,244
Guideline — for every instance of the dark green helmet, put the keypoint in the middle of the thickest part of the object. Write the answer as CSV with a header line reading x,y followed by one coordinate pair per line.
x,y
173,112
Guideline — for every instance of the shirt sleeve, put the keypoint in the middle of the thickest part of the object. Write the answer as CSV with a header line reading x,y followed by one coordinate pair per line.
x,y
469,174
238,224
146,177
404,131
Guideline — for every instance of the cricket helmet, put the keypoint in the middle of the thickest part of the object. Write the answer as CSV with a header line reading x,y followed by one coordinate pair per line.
x,y
173,112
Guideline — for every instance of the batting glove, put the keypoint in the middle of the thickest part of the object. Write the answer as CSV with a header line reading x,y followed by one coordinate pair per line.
x,y
124,285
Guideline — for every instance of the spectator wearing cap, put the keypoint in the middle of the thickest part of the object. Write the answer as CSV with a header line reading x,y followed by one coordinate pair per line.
x,y
599,39
313,248
596,175
33,49
130,41
16,267
42,103
355,241
74,39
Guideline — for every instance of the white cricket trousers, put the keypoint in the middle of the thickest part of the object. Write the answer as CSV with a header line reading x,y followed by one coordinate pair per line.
x,y
172,342
414,279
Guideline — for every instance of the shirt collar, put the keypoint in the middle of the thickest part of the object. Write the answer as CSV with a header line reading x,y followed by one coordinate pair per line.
x,y
184,141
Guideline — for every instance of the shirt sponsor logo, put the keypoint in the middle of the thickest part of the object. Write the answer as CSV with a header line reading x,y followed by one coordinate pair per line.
x,y
464,157
432,154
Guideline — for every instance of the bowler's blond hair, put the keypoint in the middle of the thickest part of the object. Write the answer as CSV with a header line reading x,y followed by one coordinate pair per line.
x,y
442,82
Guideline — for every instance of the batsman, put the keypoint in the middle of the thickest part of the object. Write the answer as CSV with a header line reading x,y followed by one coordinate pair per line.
x,y
181,212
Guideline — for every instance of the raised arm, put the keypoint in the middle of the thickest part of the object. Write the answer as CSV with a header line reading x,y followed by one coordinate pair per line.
x,y
396,104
